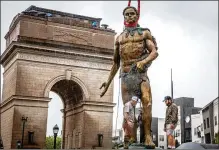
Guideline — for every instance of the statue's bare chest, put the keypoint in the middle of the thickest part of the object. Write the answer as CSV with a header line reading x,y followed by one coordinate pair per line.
x,y
131,47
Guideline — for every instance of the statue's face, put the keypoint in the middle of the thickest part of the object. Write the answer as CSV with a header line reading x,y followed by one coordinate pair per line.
x,y
130,15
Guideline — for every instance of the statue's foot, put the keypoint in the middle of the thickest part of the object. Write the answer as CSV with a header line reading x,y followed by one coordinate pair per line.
x,y
149,144
126,147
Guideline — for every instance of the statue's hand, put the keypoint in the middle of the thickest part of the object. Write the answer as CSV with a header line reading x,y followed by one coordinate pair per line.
x,y
140,65
105,85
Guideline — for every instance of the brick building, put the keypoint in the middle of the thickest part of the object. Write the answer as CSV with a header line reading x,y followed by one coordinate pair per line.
x,y
48,50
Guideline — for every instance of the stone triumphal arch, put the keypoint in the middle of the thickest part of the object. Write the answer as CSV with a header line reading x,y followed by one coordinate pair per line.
x,y
48,50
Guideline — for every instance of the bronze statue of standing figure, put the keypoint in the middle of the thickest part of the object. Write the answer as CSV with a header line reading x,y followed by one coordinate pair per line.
x,y
135,49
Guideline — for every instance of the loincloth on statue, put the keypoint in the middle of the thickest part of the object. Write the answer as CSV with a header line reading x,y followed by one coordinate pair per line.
x,y
133,80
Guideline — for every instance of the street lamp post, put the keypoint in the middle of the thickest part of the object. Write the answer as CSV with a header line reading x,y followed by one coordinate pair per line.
x,y
18,144
24,120
55,132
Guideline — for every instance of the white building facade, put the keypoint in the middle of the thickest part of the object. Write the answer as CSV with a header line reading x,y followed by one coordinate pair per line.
x,y
216,115
178,127
202,128
195,127
162,138
210,118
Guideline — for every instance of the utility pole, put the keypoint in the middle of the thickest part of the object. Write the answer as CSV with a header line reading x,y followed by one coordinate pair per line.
x,y
171,84
24,120
171,74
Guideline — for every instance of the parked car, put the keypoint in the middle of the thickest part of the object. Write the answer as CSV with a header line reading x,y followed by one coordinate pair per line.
x,y
192,145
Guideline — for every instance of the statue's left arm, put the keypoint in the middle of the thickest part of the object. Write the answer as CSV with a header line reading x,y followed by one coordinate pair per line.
x,y
151,47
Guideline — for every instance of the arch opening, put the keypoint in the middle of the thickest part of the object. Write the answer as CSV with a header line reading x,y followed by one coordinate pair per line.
x,y
56,106
64,94
70,92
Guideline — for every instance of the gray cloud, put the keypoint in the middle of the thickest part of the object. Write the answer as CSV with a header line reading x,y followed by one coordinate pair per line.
x,y
203,12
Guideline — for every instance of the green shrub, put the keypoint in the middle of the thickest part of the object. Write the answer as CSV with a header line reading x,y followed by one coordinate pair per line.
x,y
50,142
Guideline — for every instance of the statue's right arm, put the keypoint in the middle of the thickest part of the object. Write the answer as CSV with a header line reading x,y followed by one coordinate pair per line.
x,y
114,69
116,62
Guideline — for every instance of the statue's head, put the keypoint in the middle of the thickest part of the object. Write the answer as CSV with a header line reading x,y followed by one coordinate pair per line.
x,y
131,15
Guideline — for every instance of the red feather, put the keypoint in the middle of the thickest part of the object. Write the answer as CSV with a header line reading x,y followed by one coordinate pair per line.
x,y
129,3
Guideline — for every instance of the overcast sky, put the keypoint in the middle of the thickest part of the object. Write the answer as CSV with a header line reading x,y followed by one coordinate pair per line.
x,y
187,37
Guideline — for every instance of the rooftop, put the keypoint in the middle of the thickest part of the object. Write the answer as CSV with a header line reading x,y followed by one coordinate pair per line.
x,y
33,8
55,16
183,98
206,106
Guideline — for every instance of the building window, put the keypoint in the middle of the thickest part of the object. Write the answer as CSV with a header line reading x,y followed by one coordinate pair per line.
x,y
208,123
161,137
215,120
177,133
204,124
195,131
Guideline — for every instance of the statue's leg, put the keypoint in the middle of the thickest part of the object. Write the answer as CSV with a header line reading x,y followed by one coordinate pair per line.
x,y
147,112
126,136
141,134
125,94
126,97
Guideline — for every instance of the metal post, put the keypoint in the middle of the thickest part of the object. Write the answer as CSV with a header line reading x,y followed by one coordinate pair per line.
x,y
55,135
22,143
24,119
18,144
55,132
171,84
